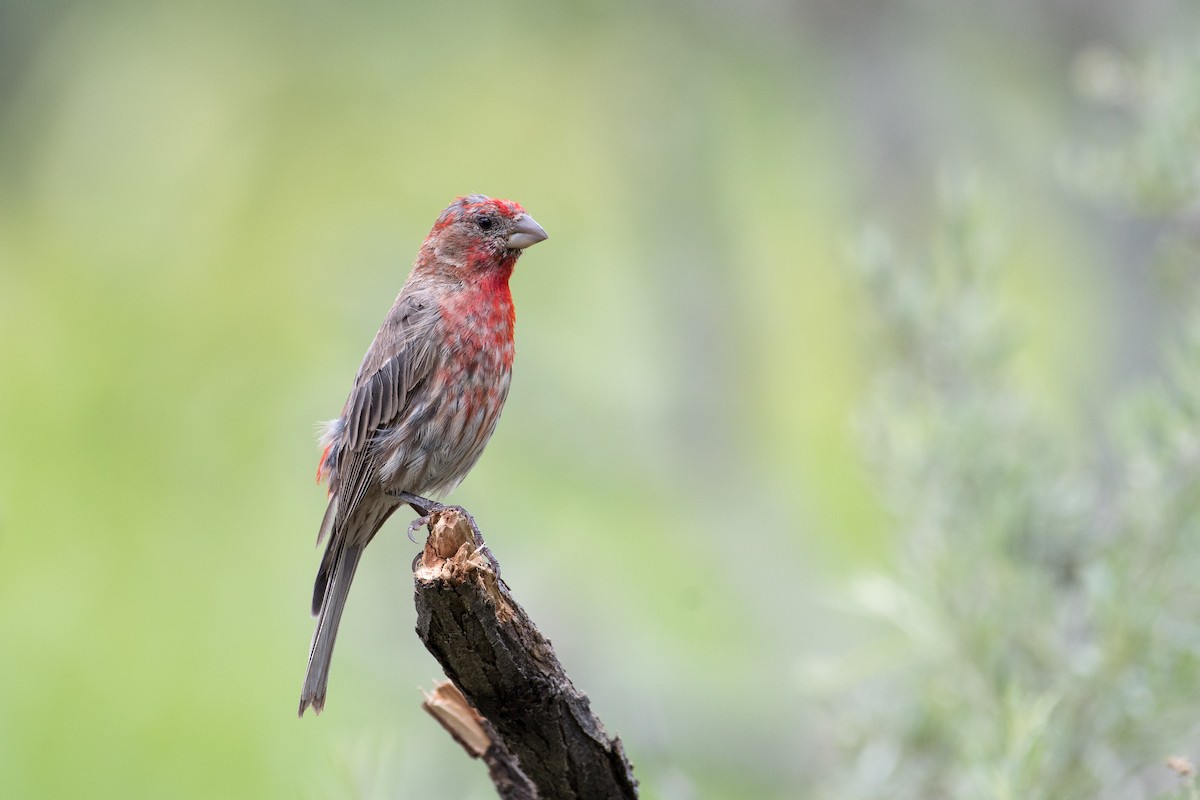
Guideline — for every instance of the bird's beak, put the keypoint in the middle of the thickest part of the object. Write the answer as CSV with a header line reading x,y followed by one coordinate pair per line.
x,y
525,232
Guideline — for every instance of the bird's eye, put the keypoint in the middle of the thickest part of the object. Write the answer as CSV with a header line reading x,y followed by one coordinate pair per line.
x,y
484,222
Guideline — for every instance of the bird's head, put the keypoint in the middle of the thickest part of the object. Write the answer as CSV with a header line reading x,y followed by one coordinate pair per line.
x,y
480,234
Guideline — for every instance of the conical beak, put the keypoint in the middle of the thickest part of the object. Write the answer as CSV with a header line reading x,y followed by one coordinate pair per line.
x,y
525,232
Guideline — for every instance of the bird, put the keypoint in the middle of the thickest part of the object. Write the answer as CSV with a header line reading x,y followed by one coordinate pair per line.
x,y
425,401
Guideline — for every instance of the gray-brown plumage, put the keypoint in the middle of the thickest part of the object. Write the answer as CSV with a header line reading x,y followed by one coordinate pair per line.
x,y
425,401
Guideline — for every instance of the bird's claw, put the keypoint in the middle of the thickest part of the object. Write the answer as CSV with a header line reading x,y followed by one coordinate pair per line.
x,y
480,545
437,508
423,520
491,559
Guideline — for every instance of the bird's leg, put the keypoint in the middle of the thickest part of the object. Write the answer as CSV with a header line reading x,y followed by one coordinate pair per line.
x,y
422,505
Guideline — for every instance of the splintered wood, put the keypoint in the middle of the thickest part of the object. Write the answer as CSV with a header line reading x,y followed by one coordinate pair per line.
x,y
453,553
447,705
517,709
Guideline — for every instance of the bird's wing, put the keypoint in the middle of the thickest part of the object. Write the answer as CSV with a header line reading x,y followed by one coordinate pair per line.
x,y
401,356
396,362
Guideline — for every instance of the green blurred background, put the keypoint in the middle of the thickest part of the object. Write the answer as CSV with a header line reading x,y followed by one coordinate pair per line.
x,y
207,207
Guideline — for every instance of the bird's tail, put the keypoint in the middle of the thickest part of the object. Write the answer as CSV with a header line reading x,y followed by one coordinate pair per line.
x,y
336,586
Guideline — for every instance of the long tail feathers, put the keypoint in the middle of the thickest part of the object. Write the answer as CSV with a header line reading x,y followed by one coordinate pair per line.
x,y
333,587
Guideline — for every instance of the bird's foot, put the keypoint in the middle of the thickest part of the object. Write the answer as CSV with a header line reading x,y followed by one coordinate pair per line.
x,y
437,508
422,521
480,545
422,505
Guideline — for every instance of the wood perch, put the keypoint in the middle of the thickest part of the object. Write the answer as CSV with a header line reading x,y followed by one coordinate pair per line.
x,y
517,710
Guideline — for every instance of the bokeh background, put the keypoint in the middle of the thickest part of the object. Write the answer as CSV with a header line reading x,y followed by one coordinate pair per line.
x,y
207,207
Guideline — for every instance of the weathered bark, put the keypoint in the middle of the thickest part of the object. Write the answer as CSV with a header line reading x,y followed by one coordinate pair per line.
x,y
538,723
447,705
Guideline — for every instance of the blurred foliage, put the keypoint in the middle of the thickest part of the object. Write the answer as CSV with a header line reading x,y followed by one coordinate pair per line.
x,y
1045,628
206,208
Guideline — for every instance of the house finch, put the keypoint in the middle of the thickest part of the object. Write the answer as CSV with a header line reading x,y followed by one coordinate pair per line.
x,y
425,401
